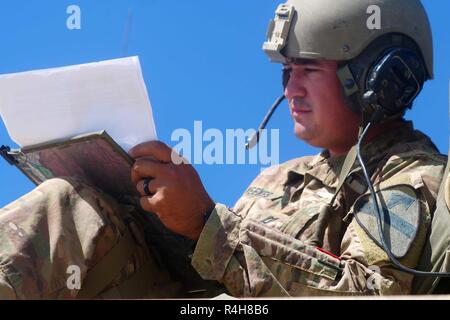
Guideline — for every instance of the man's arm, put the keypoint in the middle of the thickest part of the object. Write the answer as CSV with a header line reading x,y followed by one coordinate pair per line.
x,y
251,259
267,262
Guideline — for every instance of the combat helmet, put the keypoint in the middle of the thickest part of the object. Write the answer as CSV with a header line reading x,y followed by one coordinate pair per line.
x,y
383,47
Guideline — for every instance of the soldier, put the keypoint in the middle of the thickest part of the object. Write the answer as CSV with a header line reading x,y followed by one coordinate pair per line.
x,y
310,226
306,227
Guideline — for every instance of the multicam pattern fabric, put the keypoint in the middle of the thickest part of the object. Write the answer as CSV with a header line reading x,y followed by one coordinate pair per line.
x,y
65,223
262,246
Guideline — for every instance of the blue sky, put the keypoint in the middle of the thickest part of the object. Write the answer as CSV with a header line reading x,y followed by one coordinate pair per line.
x,y
202,60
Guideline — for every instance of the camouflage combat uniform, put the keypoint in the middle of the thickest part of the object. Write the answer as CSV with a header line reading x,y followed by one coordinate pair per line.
x,y
63,224
258,249
262,246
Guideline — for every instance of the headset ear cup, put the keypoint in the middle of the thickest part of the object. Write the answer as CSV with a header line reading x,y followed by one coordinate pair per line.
x,y
364,68
395,80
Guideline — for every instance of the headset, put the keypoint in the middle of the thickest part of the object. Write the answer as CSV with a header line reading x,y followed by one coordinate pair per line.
x,y
382,91
385,78
391,85
386,87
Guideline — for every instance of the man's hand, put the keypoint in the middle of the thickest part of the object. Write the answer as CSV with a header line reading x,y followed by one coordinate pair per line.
x,y
178,197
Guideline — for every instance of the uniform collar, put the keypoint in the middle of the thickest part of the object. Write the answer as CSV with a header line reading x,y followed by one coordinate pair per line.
x,y
326,169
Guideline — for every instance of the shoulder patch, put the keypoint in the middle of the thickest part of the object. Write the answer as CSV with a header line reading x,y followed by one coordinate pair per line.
x,y
401,214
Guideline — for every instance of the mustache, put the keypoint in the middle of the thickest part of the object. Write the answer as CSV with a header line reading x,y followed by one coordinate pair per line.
x,y
299,102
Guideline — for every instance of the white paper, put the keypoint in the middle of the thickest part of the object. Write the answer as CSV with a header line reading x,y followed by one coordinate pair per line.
x,y
55,104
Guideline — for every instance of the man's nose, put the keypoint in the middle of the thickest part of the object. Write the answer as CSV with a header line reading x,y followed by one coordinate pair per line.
x,y
294,88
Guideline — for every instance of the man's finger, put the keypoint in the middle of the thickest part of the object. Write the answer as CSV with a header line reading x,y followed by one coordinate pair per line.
x,y
153,187
150,204
147,169
156,149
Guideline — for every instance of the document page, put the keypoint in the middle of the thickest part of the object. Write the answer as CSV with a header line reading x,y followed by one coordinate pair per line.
x,y
55,104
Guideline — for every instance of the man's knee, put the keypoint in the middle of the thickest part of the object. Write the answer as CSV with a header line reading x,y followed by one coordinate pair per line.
x,y
69,191
61,223
62,194
65,223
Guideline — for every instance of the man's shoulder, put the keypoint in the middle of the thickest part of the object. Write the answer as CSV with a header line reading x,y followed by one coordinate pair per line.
x,y
417,152
416,162
277,174
298,164
270,182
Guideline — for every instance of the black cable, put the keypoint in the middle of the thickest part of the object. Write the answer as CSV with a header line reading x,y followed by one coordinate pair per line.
x,y
253,141
379,219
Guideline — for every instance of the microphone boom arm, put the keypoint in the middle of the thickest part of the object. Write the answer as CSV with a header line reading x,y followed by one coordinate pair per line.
x,y
253,141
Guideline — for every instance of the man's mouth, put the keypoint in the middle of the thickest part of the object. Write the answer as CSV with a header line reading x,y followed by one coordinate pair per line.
x,y
301,110
298,111
299,107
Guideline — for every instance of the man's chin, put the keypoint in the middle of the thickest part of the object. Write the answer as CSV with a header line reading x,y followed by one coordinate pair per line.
x,y
302,133
305,136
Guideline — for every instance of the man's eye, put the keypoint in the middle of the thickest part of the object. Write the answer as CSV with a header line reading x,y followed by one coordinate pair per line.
x,y
311,69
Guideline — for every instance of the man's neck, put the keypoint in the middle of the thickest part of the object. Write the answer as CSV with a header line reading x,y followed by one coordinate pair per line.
x,y
373,133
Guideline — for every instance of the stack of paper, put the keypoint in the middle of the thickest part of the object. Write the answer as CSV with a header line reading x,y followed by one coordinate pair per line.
x,y
56,104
